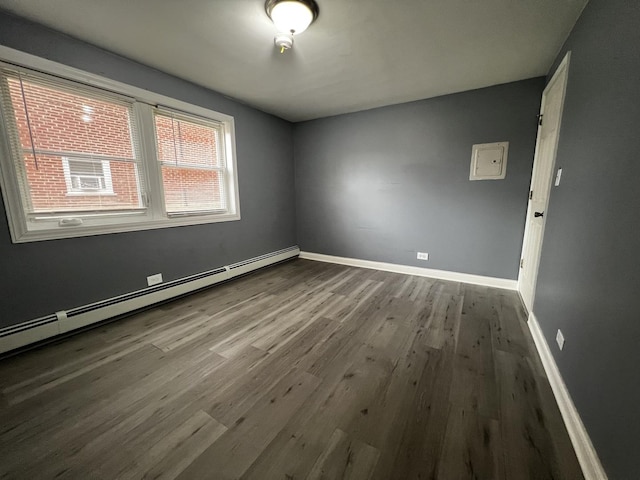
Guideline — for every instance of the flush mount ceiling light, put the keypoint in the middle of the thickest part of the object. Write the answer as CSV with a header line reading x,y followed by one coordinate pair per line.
x,y
291,17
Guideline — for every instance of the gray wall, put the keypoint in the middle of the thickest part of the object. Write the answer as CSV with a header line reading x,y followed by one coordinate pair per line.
x,y
589,278
386,183
43,277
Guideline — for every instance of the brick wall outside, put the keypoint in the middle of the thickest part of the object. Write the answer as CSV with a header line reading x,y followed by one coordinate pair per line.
x,y
196,148
63,122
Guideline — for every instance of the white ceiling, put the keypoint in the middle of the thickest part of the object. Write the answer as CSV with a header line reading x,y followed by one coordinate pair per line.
x,y
359,54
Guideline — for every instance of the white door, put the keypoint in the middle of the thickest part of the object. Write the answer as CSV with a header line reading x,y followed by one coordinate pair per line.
x,y
543,163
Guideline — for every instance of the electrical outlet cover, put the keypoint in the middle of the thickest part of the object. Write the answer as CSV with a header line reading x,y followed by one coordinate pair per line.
x,y
154,279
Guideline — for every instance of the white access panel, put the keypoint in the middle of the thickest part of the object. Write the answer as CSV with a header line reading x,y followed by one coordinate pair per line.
x,y
489,161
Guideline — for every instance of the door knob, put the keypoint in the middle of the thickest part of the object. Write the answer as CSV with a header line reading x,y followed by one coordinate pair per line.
x,y
538,214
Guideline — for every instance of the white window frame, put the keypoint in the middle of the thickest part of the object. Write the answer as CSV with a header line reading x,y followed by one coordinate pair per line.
x,y
25,229
220,169
106,174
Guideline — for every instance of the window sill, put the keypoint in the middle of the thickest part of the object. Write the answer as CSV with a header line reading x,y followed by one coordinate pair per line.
x,y
86,230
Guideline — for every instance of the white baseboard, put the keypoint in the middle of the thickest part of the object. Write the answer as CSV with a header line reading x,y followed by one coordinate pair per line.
x,y
418,271
32,331
586,453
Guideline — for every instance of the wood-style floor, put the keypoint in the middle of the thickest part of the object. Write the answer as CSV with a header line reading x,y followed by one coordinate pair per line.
x,y
304,370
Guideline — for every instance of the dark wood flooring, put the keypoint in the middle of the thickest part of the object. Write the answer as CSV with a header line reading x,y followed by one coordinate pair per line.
x,y
304,370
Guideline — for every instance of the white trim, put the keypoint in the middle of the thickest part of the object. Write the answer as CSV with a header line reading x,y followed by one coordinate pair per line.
x,y
142,101
64,324
418,271
587,456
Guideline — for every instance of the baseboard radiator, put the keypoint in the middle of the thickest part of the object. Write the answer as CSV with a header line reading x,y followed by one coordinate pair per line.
x,y
32,331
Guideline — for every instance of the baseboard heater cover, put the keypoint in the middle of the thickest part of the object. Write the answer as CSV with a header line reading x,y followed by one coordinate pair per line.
x,y
139,293
38,322
39,329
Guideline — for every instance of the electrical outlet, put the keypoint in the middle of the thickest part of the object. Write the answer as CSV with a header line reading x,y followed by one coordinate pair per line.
x,y
154,279
423,256
560,339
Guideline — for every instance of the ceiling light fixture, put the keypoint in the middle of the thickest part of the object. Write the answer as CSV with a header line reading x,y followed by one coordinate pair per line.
x,y
291,17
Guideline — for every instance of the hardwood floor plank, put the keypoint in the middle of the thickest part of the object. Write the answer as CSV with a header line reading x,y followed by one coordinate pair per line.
x,y
240,397
417,454
391,403
352,376
16,395
223,323
96,433
176,451
472,447
475,347
473,390
345,459
557,431
45,417
232,454
444,322
270,321
511,336
75,365
343,395
528,449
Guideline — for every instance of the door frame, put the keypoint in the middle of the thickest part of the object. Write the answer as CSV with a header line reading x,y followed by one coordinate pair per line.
x,y
563,69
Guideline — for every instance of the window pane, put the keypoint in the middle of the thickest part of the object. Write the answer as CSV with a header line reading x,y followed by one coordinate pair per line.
x,y
84,149
191,190
184,142
53,188
192,168
68,122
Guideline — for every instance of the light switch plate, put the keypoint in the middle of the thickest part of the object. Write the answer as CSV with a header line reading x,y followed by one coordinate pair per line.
x,y
558,176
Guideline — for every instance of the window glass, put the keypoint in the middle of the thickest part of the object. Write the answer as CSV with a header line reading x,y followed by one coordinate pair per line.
x,y
190,159
67,141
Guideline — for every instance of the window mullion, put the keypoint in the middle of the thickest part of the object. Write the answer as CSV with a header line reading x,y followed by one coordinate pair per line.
x,y
149,154
227,140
